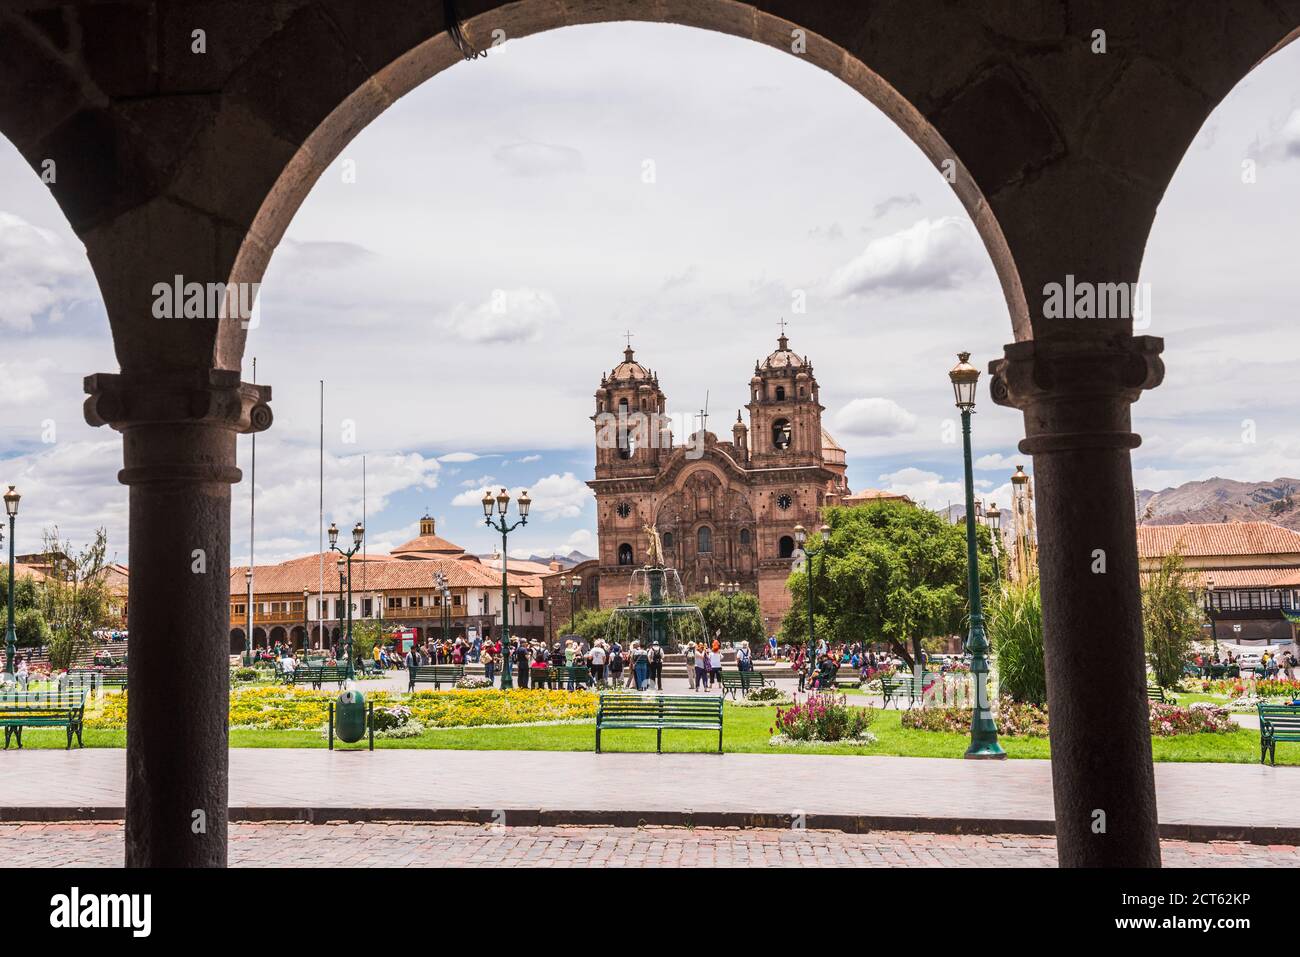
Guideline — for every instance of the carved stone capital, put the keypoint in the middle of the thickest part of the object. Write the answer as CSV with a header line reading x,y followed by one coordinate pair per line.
x,y
179,426
1076,394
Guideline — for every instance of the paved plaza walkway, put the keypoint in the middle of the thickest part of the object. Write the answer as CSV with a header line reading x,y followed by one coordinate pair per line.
x,y
853,793
428,845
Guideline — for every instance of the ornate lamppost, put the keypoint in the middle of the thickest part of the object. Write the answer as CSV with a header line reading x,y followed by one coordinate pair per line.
x,y
11,637
248,633
572,586
983,732
1209,613
358,536
440,585
993,517
729,591
306,625
503,503
801,541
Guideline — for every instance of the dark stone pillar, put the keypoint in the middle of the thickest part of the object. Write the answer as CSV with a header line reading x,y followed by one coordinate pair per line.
x,y
179,451
1075,396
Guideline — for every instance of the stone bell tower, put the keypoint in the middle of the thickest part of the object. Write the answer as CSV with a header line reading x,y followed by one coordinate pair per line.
x,y
785,414
631,430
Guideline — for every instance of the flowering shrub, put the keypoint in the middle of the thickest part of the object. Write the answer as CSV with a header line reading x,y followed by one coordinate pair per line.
x,y
1168,720
390,717
1014,719
470,683
279,707
823,717
763,697
1261,687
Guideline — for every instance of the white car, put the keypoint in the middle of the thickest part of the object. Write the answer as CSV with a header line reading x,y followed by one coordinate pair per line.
x,y
1248,660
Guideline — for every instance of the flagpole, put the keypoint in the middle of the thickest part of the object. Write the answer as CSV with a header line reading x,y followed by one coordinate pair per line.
x,y
320,527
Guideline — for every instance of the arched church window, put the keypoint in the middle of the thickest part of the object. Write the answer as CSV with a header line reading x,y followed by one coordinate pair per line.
x,y
668,541
780,393
781,434
785,548
625,554
744,536
704,539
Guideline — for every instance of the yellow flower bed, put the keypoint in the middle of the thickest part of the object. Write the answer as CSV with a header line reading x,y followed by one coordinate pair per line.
x,y
284,708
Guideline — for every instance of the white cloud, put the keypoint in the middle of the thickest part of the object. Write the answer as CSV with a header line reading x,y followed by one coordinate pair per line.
x,y
581,540
527,459
461,457
481,482
40,274
24,383
930,254
508,315
996,461
538,159
554,496
874,417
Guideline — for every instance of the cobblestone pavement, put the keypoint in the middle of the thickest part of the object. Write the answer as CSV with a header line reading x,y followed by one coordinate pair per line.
x,y
415,845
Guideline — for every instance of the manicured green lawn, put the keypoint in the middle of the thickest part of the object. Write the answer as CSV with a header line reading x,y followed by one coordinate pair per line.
x,y
745,730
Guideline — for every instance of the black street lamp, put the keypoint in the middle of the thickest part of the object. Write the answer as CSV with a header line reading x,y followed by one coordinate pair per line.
x,y
1209,613
248,635
11,637
801,541
572,586
993,518
306,626
983,732
440,585
729,591
358,536
503,503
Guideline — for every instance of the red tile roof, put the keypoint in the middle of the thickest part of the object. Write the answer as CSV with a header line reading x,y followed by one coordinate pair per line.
x,y
1220,538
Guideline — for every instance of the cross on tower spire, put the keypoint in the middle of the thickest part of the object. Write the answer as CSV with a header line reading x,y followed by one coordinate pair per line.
x,y
782,340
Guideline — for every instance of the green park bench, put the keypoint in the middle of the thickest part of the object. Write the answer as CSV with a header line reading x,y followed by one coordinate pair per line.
x,y
1277,722
436,675
742,681
317,675
559,676
1156,693
90,677
686,712
371,668
897,686
64,709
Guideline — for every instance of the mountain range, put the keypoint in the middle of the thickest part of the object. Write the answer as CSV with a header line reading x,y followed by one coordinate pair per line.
x,y
1223,500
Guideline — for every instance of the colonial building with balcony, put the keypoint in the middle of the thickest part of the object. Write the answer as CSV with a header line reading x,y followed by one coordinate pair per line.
x,y
1248,573
290,601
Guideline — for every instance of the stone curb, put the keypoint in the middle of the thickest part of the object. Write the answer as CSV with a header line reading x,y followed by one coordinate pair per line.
x,y
593,817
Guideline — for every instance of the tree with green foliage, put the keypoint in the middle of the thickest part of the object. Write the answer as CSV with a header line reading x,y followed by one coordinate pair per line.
x,y
891,573
591,623
746,618
1171,618
31,630
74,598
367,633
1014,619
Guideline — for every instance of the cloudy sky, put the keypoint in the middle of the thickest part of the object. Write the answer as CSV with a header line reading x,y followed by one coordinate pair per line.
x,y
470,266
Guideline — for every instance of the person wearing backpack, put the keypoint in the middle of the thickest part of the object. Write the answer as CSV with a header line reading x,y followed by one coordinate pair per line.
x,y
743,660
657,666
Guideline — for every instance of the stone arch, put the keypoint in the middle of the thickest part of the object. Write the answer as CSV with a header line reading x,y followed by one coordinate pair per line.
x,y
259,637
278,633
236,641
297,635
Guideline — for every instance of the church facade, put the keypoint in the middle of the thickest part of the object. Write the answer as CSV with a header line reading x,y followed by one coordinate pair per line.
x,y
725,510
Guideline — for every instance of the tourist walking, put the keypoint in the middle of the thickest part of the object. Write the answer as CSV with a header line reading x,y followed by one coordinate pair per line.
x,y
656,659
715,665
640,665
701,667
596,660
489,665
616,665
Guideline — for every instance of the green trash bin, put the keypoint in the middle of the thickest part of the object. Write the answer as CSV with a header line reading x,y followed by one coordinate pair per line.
x,y
350,718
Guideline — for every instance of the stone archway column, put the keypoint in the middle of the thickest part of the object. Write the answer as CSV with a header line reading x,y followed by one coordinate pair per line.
x,y
1076,397
178,437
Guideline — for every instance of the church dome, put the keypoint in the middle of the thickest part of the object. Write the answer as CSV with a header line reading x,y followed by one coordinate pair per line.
x,y
783,358
629,368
